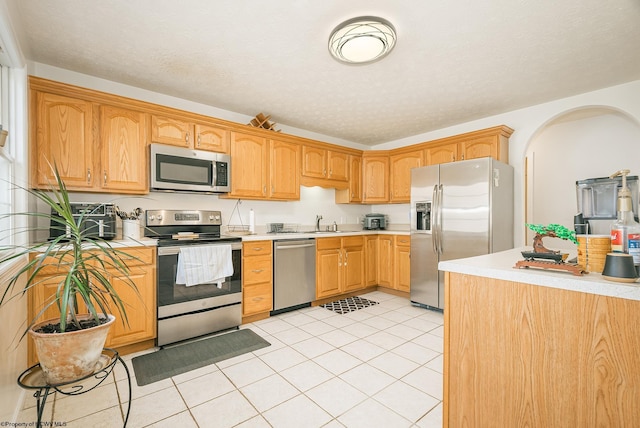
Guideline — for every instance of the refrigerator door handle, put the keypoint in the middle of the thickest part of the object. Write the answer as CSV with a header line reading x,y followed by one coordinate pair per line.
x,y
434,219
440,246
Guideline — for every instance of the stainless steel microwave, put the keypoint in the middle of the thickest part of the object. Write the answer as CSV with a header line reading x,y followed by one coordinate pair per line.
x,y
188,170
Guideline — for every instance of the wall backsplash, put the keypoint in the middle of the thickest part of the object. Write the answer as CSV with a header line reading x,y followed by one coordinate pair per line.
x,y
313,201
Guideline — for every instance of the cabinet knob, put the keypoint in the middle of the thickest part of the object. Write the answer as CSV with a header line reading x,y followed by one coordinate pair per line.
x,y
462,157
186,138
199,139
89,175
105,178
257,270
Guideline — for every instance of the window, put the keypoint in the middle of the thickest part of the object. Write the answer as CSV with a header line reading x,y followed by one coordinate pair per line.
x,y
6,165
13,156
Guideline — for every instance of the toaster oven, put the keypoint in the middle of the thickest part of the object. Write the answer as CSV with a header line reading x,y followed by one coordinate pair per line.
x,y
96,220
374,222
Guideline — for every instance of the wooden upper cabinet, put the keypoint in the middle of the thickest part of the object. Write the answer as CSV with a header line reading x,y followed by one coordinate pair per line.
x,y
375,178
123,134
65,135
324,167
284,170
171,131
353,194
480,148
185,133
212,138
443,153
250,166
491,142
400,175
96,147
338,166
264,169
314,162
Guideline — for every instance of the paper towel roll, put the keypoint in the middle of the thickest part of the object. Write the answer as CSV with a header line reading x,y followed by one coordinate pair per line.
x,y
252,222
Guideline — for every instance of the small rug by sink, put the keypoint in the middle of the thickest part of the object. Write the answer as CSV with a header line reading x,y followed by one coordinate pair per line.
x,y
182,358
349,304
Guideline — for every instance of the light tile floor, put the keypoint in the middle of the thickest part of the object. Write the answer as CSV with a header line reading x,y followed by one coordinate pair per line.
x,y
379,366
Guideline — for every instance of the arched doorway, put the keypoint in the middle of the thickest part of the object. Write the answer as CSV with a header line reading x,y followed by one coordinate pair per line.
x,y
583,143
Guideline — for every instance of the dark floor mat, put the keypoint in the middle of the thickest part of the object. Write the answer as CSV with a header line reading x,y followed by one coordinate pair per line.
x,y
179,359
349,304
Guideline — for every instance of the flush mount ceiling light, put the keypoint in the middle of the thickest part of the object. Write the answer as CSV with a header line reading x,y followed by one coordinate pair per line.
x,y
362,40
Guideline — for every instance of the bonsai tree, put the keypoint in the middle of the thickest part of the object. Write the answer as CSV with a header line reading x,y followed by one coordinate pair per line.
x,y
551,230
83,262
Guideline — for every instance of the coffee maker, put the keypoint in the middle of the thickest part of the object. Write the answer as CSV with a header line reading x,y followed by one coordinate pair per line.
x,y
597,203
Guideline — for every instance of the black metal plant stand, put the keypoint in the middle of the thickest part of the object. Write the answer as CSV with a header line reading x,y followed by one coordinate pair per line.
x,y
33,378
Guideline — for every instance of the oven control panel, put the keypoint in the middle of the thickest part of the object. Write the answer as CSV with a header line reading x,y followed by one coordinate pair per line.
x,y
183,217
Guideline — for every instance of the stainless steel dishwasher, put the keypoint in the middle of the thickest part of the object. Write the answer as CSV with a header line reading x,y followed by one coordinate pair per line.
x,y
294,274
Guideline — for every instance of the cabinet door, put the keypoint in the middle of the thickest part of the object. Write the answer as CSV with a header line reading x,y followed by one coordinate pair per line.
x,y
249,166
338,166
371,260
355,182
141,309
284,170
441,154
212,138
328,269
167,130
256,270
314,162
64,137
386,265
353,268
403,263
375,173
479,148
257,298
400,181
124,155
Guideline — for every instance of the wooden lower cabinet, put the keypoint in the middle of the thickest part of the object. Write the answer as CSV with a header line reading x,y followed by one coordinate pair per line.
x,y
523,355
340,264
394,262
371,260
403,263
257,277
140,306
386,264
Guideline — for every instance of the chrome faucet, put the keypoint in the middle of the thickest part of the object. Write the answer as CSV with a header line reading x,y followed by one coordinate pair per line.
x,y
318,218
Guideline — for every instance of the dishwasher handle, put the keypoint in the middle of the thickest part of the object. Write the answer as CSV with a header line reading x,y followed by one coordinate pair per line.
x,y
289,247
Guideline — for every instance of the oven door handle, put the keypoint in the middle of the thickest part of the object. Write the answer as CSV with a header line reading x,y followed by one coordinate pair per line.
x,y
168,251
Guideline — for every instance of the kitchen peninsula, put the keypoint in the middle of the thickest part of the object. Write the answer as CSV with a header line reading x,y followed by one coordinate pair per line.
x,y
527,347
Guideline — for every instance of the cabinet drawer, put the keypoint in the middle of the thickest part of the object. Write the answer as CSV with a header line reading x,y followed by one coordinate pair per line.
x,y
328,244
403,241
257,298
142,256
353,241
256,270
256,248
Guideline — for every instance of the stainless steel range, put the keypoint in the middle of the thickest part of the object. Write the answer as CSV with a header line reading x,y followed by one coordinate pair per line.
x,y
192,302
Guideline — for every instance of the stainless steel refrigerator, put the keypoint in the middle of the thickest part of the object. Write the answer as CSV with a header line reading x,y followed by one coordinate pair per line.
x,y
459,209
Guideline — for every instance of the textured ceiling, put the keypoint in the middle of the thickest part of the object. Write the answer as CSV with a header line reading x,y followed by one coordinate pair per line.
x,y
454,61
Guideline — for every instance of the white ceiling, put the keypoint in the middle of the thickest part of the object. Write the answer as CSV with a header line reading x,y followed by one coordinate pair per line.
x,y
455,60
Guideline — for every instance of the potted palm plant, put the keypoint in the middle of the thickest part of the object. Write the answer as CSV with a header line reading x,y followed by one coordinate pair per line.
x,y
69,346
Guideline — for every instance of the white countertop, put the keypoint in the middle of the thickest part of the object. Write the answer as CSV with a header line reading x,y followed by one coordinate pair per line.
x,y
303,235
501,266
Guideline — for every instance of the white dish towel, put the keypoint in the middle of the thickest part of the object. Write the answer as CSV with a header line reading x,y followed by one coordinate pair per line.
x,y
204,264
